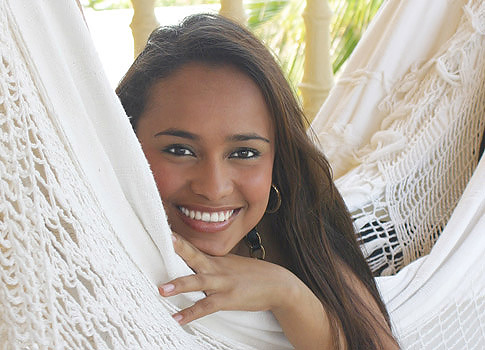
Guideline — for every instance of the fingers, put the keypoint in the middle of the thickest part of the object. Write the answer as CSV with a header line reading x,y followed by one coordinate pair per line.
x,y
192,283
206,279
200,263
200,309
197,260
206,306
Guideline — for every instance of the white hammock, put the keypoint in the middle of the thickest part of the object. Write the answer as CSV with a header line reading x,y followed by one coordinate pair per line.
x,y
403,128
84,240
83,237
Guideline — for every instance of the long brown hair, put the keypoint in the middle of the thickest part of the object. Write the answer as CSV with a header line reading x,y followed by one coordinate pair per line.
x,y
312,222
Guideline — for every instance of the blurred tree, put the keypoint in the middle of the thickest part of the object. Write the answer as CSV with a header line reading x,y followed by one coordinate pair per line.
x,y
106,4
124,4
279,23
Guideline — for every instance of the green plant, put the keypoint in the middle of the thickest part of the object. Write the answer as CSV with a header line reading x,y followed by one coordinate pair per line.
x,y
100,5
351,18
260,11
161,3
280,25
106,4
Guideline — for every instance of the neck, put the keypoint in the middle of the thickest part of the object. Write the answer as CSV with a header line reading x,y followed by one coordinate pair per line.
x,y
271,243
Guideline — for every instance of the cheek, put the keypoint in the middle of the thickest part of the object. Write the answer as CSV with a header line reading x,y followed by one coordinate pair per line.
x,y
168,183
168,178
255,185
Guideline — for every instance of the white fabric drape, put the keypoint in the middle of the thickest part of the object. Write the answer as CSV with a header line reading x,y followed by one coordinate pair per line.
x,y
84,239
438,302
402,129
402,35
407,118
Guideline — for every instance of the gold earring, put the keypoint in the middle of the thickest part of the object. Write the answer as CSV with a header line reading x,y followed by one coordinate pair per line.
x,y
277,202
253,241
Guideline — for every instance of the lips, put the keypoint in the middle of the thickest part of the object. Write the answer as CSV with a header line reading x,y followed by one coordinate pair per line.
x,y
204,221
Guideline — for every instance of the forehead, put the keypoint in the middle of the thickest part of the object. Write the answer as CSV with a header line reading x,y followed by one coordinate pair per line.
x,y
203,97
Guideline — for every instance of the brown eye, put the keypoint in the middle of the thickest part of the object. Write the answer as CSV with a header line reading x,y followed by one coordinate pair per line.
x,y
244,153
179,151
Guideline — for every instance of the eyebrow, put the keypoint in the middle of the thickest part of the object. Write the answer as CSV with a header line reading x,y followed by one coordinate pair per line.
x,y
178,133
247,137
191,136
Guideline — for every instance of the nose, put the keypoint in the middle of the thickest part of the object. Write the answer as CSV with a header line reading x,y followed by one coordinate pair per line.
x,y
212,180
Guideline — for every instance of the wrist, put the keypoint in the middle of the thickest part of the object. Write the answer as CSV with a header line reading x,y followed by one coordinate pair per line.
x,y
289,294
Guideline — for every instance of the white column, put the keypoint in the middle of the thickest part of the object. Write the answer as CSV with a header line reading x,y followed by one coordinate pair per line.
x,y
143,23
233,9
318,75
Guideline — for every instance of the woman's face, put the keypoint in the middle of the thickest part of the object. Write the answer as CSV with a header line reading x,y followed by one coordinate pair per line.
x,y
208,136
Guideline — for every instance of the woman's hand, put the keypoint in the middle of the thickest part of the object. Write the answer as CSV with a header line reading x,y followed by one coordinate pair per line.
x,y
230,282
233,282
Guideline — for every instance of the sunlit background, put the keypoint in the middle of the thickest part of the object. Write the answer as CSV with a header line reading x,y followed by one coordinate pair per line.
x,y
278,23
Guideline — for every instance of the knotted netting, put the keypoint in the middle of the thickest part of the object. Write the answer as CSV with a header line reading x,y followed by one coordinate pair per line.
x,y
83,238
438,301
403,181
404,130
77,268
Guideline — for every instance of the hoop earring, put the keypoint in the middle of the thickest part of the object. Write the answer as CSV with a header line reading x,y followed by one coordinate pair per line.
x,y
277,202
253,241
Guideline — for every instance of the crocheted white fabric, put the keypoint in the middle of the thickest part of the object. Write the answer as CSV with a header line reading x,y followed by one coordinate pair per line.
x,y
438,301
403,128
83,236
404,124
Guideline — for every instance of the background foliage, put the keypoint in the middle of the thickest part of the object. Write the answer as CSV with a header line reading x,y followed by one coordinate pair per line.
x,y
124,4
279,24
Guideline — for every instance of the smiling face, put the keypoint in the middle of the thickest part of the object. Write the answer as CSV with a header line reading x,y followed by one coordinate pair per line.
x,y
207,134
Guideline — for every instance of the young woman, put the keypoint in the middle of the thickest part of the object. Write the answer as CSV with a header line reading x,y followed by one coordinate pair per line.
x,y
240,178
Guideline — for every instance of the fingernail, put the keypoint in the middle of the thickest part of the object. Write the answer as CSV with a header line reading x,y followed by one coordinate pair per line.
x,y
177,317
167,288
174,238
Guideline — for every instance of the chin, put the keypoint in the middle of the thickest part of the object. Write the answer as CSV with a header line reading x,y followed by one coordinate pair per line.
x,y
214,251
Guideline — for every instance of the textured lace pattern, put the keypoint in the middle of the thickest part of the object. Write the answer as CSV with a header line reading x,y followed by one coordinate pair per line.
x,y
458,324
67,283
409,182
65,280
418,165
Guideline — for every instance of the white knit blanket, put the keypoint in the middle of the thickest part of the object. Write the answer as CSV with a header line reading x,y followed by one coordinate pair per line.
x,y
402,128
83,236
404,123
84,239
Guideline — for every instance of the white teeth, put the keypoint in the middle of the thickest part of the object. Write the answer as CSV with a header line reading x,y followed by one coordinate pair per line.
x,y
207,217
